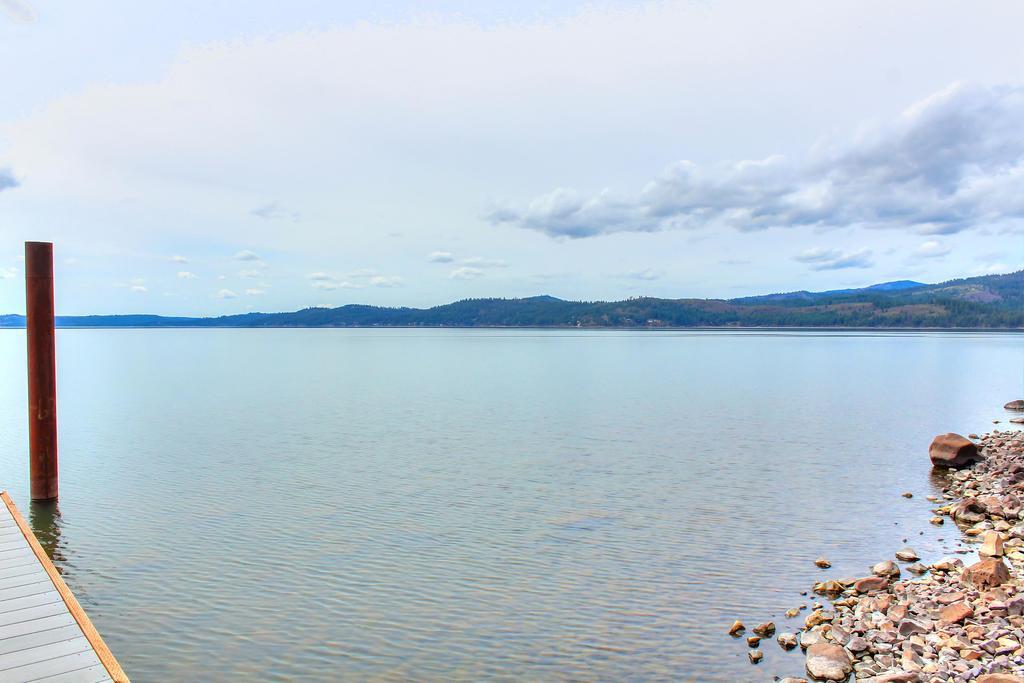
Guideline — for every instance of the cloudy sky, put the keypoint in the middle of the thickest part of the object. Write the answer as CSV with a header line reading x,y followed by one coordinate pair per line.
x,y
205,157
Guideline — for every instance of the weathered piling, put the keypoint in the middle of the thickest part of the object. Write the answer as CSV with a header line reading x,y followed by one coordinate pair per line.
x,y
42,370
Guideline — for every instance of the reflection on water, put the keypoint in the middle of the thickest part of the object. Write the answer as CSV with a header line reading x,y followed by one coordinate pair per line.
x,y
44,518
441,505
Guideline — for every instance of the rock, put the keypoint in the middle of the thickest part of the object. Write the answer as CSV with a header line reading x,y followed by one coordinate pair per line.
x,y
736,629
902,677
753,641
829,588
857,644
1017,420
1015,405
812,637
992,544
907,555
999,678
871,583
909,627
956,613
886,568
828,662
787,641
790,679
765,630
822,563
755,656
938,521
952,451
986,573
917,568
818,617
907,494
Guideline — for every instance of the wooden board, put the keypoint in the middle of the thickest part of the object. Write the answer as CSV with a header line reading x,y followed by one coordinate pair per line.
x,y
44,632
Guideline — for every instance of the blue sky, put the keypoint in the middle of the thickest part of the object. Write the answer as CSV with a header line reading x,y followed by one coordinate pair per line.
x,y
216,157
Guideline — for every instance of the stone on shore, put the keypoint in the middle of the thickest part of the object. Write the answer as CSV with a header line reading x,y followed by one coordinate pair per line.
x,y
907,555
755,656
871,583
1015,405
753,641
828,662
822,563
992,545
736,629
765,630
787,641
999,678
886,568
956,613
952,451
986,573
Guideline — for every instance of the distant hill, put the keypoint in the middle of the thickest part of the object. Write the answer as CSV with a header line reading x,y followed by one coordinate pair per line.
x,y
989,301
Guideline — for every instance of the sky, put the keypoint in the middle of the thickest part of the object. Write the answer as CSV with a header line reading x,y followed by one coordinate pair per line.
x,y
210,157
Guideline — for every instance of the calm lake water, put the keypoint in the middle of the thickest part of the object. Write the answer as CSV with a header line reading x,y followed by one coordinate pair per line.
x,y
483,504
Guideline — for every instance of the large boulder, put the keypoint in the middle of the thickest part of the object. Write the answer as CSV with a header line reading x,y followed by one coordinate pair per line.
x,y
828,662
1015,405
987,573
952,451
999,678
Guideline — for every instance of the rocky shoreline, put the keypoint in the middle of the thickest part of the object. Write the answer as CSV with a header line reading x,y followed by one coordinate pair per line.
x,y
942,622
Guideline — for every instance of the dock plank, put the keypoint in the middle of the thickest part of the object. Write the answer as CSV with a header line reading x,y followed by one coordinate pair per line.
x,y
41,654
45,635
64,664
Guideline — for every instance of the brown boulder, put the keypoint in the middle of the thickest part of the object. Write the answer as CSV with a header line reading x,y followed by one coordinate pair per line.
x,y
828,662
871,583
1015,405
952,451
956,613
999,678
992,546
987,573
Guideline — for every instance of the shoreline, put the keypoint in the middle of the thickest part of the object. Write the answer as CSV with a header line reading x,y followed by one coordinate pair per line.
x,y
908,621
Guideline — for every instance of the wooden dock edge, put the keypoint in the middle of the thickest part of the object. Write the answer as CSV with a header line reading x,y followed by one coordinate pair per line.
x,y
91,634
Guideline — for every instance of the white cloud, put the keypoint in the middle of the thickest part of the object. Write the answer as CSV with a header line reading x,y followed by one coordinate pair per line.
x,y
440,257
386,281
833,259
18,11
328,283
255,292
177,258
466,273
139,288
246,255
226,294
8,273
952,161
250,273
931,249
187,275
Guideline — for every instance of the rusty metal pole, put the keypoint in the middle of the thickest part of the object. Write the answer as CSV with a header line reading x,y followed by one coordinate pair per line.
x,y
42,370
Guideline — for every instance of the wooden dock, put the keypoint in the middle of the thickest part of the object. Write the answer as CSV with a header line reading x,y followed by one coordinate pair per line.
x,y
45,635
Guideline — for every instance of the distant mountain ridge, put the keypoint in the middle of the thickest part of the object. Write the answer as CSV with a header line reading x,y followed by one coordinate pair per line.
x,y
988,301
